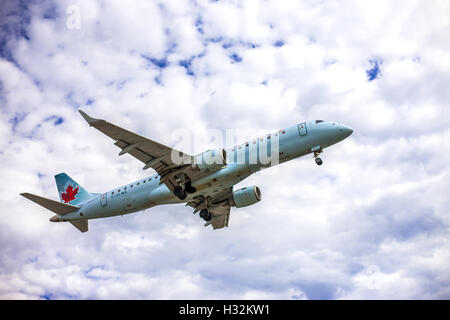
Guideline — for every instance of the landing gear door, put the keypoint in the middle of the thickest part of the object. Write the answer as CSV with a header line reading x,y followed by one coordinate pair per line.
x,y
103,200
302,129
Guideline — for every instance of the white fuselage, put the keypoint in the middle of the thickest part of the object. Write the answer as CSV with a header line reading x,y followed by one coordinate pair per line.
x,y
294,142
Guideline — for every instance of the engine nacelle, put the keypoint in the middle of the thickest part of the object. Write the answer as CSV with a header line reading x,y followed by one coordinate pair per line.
x,y
246,196
210,160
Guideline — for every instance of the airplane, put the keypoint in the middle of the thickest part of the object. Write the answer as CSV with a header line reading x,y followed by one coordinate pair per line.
x,y
204,182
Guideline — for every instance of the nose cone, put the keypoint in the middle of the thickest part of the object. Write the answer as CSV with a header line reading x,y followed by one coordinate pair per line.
x,y
345,131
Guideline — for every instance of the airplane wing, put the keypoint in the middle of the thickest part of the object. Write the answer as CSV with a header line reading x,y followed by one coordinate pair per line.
x,y
220,216
218,205
153,154
159,157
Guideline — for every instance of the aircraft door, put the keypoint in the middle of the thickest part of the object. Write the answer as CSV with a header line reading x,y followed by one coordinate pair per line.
x,y
302,129
103,200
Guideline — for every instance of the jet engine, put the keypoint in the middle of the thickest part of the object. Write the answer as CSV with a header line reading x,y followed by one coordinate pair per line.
x,y
246,196
211,160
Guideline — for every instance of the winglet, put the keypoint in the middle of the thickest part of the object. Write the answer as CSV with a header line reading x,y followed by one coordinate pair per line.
x,y
88,119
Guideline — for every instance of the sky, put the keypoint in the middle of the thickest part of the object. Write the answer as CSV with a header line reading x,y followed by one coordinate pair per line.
x,y
371,223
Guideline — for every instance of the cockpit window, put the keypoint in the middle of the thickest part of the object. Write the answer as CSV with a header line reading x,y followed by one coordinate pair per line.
x,y
319,121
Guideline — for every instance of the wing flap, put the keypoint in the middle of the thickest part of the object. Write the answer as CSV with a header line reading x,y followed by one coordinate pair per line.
x,y
139,153
218,204
220,216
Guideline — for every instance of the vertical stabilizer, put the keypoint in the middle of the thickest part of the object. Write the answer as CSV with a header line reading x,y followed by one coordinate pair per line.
x,y
70,191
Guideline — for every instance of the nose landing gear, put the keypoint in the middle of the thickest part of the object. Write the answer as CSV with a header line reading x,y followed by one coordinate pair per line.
x,y
316,157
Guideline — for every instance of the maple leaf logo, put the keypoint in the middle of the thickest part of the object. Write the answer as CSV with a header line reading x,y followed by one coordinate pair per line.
x,y
70,194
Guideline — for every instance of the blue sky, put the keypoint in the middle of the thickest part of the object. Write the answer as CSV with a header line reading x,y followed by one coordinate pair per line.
x,y
371,223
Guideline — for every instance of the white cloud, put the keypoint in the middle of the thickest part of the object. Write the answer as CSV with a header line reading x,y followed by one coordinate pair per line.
x,y
372,222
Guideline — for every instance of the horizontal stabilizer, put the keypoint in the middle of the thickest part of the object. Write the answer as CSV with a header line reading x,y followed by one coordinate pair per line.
x,y
52,205
81,225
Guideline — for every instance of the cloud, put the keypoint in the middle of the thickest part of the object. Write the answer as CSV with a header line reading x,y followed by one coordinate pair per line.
x,y
371,223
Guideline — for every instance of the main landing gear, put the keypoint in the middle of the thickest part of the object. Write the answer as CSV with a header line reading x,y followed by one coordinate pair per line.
x,y
316,157
205,214
181,193
189,188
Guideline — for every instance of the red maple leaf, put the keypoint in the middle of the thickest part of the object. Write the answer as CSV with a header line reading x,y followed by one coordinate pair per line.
x,y
70,194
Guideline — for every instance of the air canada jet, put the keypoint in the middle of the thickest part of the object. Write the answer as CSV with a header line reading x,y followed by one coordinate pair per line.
x,y
204,182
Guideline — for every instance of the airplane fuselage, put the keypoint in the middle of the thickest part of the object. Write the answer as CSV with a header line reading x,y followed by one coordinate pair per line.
x,y
242,161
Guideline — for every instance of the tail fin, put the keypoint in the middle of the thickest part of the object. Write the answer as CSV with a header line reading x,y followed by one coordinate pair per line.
x,y
70,191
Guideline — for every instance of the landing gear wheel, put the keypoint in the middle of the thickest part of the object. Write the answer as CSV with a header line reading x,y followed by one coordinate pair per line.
x,y
205,215
183,195
316,157
179,193
189,188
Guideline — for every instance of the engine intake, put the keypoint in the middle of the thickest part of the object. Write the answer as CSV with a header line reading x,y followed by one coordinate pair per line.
x,y
210,160
246,196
